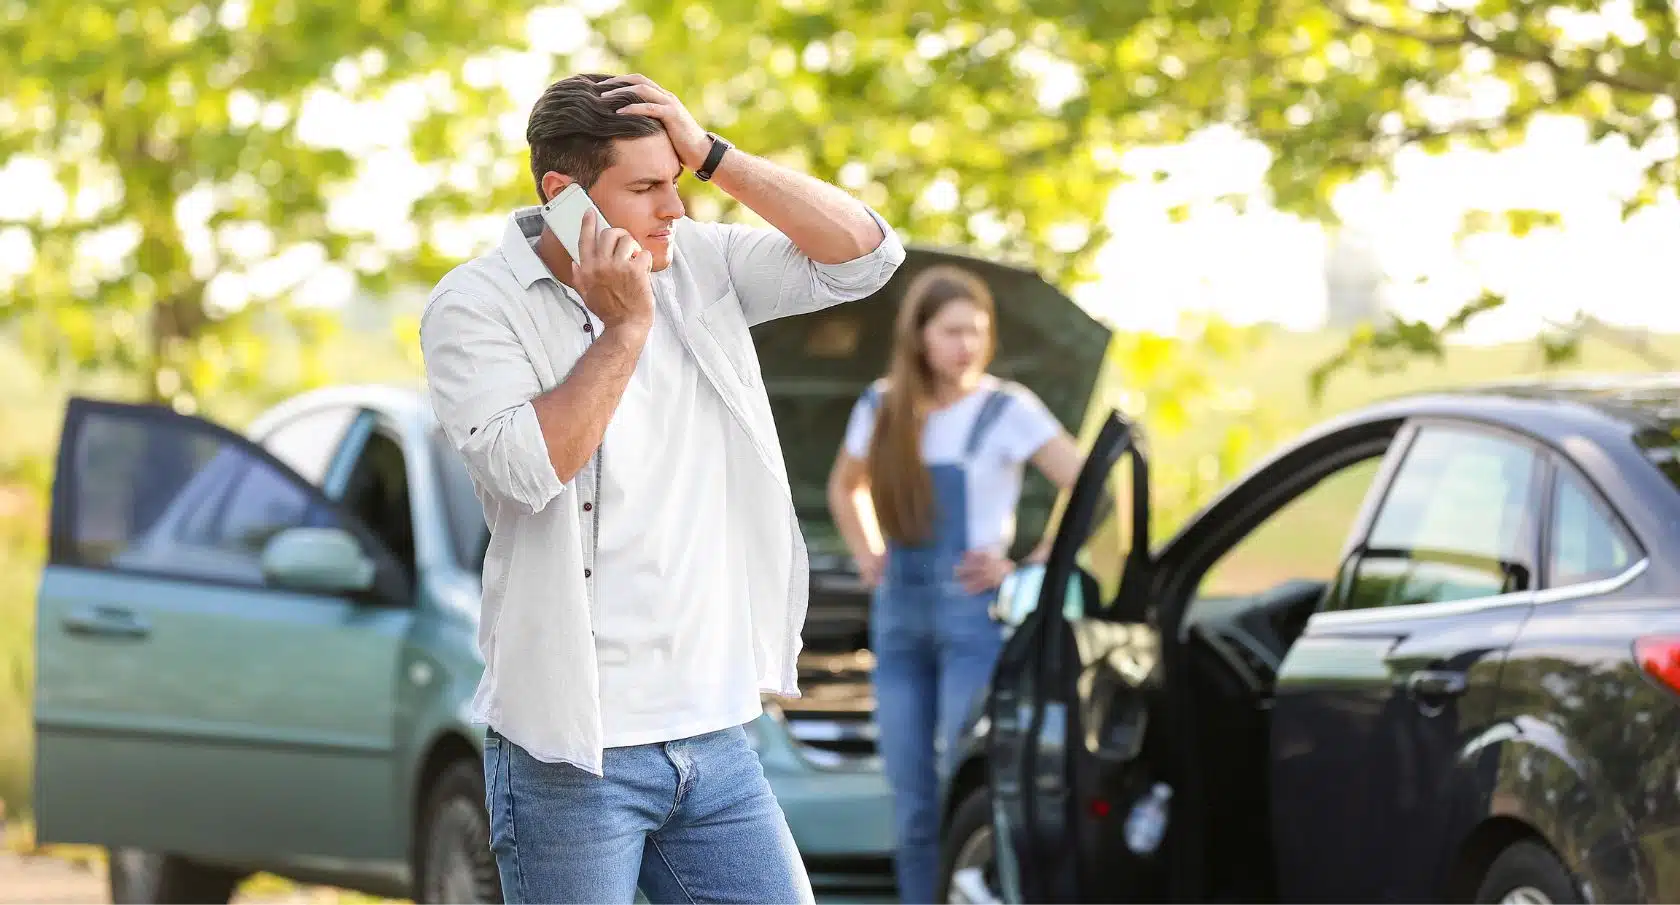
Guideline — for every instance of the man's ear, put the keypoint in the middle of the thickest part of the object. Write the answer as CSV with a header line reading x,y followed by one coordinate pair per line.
x,y
552,183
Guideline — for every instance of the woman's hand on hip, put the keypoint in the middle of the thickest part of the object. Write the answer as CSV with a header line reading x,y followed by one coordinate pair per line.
x,y
870,566
983,570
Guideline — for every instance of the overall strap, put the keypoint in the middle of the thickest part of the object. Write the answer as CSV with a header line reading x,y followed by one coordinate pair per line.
x,y
997,401
872,396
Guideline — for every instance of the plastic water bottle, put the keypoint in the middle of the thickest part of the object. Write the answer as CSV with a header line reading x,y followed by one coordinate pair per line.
x,y
1147,822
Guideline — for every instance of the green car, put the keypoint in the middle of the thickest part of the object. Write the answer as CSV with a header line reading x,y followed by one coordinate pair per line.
x,y
257,652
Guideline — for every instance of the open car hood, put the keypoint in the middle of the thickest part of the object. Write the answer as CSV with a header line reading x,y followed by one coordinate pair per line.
x,y
816,365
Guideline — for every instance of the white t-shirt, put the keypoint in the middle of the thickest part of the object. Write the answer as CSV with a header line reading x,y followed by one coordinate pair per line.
x,y
673,633
995,469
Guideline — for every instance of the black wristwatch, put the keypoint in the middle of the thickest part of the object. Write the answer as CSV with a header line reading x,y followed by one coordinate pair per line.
x,y
719,145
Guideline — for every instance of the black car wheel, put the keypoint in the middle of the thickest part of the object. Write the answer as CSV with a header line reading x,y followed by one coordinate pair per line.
x,y
968,858
452,852
1527,874
138,876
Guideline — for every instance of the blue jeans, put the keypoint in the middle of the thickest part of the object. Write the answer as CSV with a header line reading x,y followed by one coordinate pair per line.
x,y
935,647
692,820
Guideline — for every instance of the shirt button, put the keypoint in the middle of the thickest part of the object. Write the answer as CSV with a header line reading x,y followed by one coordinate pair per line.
x,y
587,573
588,327
588,506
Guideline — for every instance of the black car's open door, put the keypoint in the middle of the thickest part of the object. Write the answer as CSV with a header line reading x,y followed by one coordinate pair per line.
x,y
1070,757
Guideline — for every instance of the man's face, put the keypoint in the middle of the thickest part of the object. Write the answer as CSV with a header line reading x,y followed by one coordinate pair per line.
x,y
638,193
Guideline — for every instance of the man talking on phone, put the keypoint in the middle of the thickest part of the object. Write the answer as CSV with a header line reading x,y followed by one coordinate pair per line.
x,y
646,578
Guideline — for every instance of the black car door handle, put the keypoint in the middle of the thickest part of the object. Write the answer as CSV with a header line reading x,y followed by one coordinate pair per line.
x,y
105,621
1433,683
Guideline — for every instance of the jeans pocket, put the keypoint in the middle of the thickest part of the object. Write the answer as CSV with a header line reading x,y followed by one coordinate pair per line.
x,y
493,755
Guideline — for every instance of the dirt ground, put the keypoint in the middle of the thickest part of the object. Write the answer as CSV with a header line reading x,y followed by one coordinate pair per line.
x,y
41,879
45,879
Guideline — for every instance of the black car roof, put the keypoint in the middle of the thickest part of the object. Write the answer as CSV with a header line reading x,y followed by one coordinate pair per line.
x,y
1601,406
1633,420
1640,400
1629,417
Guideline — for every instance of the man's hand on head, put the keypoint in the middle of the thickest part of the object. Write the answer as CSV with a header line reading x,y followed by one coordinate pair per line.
x,y
691,142
826,224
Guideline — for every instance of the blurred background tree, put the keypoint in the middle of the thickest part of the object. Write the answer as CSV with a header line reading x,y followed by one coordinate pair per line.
x,y
1345,88
180,137
191,199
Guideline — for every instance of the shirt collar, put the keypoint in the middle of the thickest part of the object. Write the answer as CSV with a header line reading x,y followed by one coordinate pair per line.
x,y
524,225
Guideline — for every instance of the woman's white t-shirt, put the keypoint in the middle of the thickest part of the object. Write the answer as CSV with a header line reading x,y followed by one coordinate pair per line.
x,y
995,469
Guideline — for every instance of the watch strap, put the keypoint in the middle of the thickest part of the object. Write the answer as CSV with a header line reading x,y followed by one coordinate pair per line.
x,y
713,158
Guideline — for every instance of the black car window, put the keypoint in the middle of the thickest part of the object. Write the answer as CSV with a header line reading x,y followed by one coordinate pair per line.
x,y
1303,540
307,442
377,493
1103,555
1456,523
1586,542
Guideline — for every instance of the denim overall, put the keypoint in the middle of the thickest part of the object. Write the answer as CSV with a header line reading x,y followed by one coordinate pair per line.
x,y
935,646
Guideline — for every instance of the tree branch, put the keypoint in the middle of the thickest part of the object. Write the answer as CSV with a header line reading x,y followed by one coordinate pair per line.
x,y
1466,33
115,216
1636,342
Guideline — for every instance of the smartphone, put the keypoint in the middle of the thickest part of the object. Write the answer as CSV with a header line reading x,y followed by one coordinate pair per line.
x,y
564,216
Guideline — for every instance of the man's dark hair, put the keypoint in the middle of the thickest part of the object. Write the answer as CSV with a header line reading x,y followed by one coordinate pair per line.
x,y
572,129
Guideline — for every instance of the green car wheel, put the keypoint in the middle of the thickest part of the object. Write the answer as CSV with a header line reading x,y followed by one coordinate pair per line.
x,y
144,877
453,859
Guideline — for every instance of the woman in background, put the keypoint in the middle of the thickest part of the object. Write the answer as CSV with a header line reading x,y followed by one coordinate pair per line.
x,y
924,492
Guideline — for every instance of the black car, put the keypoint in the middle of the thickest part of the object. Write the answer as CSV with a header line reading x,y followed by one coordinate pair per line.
x,y
1427,652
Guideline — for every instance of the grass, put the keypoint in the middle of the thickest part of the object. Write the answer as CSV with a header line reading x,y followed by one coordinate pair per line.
x,y
27,436
1275,376
20,557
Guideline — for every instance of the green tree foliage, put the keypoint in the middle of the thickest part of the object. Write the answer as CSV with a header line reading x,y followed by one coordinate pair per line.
x,y
1339,89
172,129
1019,111
970,130
971,126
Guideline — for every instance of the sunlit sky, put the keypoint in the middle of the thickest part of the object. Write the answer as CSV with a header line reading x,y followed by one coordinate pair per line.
x,y
1260,265
1265,265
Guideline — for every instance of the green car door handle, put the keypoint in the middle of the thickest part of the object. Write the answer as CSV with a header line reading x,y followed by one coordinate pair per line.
x,y
105,621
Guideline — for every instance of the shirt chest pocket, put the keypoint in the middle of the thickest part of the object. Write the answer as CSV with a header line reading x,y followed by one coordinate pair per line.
x,y
726,327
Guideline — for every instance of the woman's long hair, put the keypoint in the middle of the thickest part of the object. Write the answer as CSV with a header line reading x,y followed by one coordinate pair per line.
x,y
899,484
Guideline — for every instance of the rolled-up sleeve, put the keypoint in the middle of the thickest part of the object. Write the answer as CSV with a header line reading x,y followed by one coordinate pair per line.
x,y
481,384
773,278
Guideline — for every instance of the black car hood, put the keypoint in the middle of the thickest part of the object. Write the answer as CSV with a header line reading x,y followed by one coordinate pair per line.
x,y
816,365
